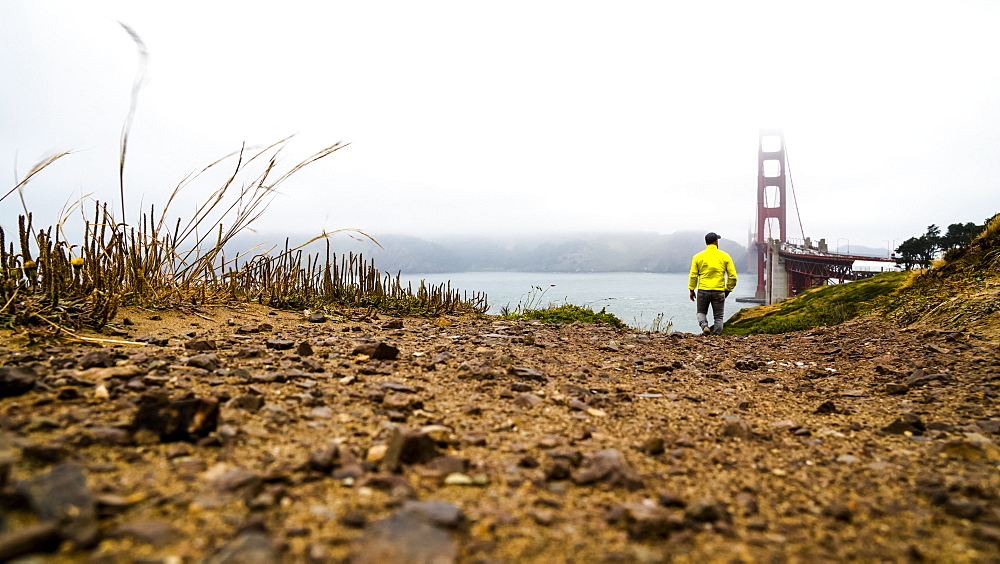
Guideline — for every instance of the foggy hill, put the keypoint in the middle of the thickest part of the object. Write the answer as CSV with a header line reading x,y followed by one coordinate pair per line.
x,y
581,252
861,250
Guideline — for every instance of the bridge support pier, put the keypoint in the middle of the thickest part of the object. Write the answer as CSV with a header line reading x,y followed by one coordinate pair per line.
x,y
776,280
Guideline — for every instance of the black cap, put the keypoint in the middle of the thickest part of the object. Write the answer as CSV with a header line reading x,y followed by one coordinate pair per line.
x,y
711,238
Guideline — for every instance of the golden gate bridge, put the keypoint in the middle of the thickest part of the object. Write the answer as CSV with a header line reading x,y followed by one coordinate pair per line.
x,y
785,269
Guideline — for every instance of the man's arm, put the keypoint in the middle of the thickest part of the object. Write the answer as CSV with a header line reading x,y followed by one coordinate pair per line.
x,y
693,279
730,277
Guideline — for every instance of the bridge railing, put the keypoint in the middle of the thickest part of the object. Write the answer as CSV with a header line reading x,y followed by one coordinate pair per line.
x,y
795,249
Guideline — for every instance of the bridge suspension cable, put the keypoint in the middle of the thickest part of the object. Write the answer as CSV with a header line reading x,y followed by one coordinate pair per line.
x,y
795,198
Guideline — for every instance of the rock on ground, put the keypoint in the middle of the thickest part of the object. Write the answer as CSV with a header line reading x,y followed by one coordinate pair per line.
x,y
273,436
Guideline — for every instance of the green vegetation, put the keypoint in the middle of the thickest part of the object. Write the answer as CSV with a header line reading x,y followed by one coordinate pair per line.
x,y
825,305
569,313
530,308
920,251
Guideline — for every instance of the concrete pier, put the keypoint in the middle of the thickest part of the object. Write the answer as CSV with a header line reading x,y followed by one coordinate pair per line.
x,y
776,279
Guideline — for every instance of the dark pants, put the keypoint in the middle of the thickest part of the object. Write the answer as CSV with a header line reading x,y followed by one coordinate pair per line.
x,y
718,301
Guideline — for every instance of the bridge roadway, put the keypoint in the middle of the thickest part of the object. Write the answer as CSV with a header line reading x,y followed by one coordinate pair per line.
x,y
816,264
791,269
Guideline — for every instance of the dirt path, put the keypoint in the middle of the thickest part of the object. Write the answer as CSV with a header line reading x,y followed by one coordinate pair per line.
x,y
270,435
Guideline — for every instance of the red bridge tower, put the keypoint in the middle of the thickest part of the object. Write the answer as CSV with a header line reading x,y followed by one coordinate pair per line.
x,y
771,168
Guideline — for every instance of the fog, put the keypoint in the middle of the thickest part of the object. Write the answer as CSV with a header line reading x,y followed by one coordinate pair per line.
x,y
517,117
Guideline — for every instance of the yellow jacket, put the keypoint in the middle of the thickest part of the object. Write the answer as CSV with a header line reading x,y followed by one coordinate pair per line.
x,y
710,270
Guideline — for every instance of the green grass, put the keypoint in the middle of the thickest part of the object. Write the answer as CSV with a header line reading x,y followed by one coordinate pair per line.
x,y
530,307
826,305
568,313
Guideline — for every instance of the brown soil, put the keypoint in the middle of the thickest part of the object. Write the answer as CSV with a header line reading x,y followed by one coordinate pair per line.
x,y
544,443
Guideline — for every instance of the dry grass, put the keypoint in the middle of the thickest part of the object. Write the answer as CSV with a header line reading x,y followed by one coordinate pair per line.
x,y
962,292
50,283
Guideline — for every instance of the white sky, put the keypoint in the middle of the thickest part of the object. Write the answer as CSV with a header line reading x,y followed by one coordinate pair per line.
x,y
533,116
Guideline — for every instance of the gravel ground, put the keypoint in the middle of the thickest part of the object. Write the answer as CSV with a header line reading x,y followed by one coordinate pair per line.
x,y
250,435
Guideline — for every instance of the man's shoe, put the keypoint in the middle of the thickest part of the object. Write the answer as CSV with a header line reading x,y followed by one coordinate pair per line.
x,y
706,331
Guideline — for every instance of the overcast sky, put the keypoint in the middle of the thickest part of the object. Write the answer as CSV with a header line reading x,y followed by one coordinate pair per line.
x,y
507,117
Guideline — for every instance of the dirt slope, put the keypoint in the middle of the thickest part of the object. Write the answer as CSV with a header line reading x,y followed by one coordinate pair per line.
x,y
962,291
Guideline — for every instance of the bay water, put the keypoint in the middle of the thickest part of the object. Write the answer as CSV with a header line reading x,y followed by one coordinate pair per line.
x,y
637,298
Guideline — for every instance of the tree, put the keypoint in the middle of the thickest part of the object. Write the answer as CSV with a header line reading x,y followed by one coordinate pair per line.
x,y
933,236
919,251
908,252
959,235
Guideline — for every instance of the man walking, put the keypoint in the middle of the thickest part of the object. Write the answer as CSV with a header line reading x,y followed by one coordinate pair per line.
x,y
713,274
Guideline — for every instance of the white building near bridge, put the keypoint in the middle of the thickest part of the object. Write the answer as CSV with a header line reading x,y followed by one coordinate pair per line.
x,y
875,266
